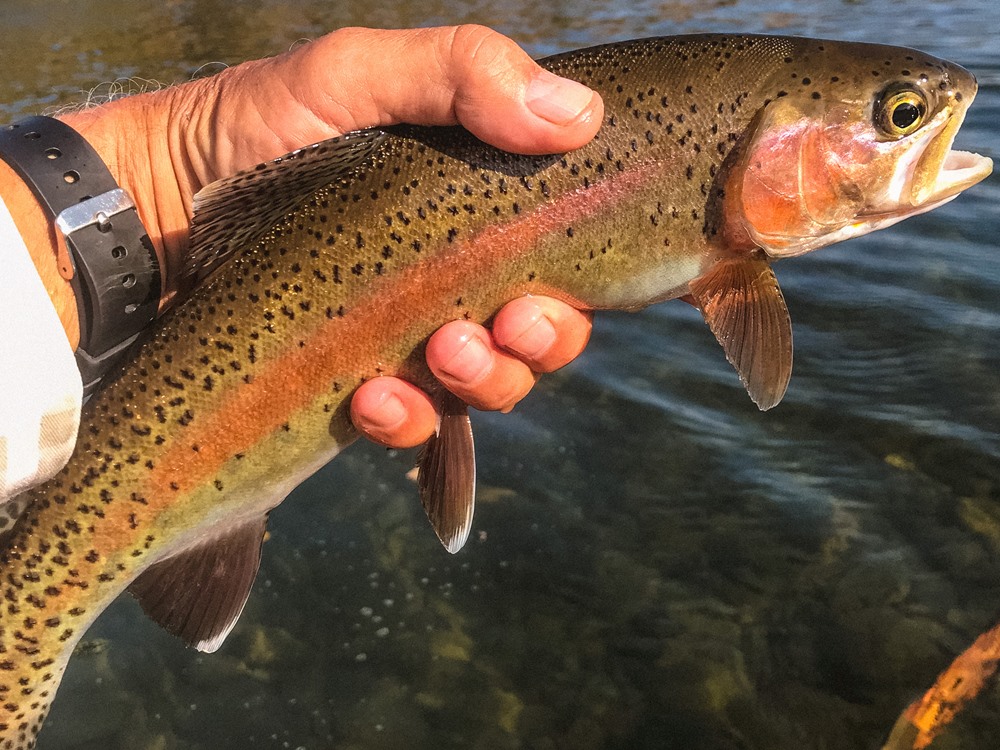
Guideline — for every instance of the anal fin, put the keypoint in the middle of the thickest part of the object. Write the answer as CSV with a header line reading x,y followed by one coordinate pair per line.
x,y
743,306
447,475
198,595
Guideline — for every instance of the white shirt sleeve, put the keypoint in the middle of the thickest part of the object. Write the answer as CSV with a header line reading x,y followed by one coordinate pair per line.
x,y
40,386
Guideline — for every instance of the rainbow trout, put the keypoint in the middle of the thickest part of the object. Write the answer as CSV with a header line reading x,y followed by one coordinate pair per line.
x,y
334,264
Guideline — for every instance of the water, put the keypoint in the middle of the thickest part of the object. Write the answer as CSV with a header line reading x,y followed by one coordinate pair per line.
x,y
654,563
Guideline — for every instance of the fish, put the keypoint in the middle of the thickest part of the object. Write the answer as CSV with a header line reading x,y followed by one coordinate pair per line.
x,y
718,154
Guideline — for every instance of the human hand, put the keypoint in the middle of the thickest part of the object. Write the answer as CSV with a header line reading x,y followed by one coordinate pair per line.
x,y
530,335
164,146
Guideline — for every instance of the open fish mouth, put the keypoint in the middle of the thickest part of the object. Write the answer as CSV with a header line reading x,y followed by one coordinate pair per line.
x,y
940,172
929,175
960,170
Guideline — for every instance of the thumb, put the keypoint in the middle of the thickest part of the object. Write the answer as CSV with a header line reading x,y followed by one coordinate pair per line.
x,y
468,75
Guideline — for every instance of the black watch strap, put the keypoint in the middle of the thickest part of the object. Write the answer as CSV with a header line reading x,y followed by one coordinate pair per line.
x,y
115,272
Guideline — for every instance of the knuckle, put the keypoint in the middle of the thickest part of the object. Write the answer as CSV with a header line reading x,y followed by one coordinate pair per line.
x,y
481,46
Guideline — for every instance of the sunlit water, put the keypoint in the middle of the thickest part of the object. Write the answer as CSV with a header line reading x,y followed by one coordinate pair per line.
x,y
654,563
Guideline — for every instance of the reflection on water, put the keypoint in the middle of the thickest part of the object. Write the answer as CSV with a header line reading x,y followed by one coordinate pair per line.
x,y
654,563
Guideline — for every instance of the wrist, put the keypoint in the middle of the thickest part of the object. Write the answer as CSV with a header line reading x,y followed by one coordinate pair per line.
x,y
103,248
124,136
137,139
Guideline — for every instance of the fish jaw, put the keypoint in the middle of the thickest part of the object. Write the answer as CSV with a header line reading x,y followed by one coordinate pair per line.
x,y
960,170
941,172
936,174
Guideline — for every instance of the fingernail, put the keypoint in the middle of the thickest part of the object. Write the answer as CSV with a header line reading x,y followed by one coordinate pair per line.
x,y
558,100
390,413
471,362
536,339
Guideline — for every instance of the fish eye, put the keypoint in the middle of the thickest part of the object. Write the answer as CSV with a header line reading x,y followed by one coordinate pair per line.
x,y
900,111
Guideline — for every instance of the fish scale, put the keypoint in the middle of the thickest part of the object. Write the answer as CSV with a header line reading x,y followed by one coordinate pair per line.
x,y
354,252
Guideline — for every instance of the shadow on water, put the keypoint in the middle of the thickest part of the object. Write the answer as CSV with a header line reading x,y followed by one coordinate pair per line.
x,y
654,563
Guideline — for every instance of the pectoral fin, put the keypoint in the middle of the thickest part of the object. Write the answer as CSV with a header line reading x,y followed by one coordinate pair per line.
x,y
744,308
198,595
447,476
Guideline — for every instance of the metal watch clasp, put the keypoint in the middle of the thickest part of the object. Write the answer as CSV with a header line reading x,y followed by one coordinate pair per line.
x,y
95,211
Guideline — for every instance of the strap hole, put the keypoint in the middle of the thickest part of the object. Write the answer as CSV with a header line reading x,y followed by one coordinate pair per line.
x,y
52,153
31,135
128,281
118,252
129,309
71,177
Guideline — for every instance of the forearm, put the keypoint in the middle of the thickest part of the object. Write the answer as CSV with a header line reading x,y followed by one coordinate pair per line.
x,y
43,243
131,136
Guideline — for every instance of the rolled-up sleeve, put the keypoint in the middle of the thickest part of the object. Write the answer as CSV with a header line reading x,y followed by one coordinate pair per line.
x,y
40,386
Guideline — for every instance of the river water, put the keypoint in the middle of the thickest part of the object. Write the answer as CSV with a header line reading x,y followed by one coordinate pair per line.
x,y
654,563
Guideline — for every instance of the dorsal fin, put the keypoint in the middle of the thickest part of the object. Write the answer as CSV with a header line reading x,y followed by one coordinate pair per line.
x,y
743,305
234,213
447,476
198,595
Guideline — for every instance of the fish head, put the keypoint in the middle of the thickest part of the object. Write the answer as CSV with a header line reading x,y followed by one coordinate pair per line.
x,y
859,139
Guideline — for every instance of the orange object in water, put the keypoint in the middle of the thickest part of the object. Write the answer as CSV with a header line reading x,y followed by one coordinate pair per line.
x,y
959,684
